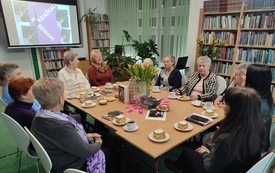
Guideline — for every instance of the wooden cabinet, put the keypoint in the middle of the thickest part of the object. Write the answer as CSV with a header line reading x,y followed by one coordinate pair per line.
x,y
99,34
249,33
52,60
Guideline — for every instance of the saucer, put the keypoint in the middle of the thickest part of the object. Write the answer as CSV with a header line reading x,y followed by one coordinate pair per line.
x,y
84,106
169,97
128,130
190,127
95,89
156,91
151,136
183,98
97,94
71,97
213,108
111,87
197,103
213,116
115,123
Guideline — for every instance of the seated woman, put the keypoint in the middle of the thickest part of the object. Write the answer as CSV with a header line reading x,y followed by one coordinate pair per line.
x,y
169,78
21,108
259,77
69,146
9,71
99,73
235,148
201,85
70,75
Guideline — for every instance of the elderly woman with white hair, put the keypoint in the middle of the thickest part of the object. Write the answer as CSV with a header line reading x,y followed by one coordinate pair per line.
x,y
70,75
202,85
63,137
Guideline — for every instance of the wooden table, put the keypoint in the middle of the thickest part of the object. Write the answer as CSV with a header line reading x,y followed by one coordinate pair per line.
x,y
139,139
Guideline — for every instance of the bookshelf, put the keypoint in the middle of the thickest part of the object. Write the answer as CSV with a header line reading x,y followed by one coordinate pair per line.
x,y
248,30
52,61
99,34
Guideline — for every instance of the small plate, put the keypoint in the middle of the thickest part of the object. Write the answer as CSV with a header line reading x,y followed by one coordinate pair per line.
x,y
213,108
114,122
110,99
156,91
179,98
190,127
111,87
84,106
163,110
97,94
95,90
169,97
126,129
197,103
213,116
71,97
151,136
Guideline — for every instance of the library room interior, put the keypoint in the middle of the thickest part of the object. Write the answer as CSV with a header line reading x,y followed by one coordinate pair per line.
x,y
137,86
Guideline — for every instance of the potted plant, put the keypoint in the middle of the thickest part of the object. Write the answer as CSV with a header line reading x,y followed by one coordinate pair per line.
x,y
89,17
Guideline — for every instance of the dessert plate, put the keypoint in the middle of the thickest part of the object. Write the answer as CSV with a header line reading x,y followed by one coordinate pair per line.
x,y
197,103
84,105
169,97
183,98
115,123
162,109
151,136
156,91
213,108
190,127
71,97
213,116
128,130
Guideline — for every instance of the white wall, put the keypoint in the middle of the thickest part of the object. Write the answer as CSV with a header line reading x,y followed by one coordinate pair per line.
x,y
23,58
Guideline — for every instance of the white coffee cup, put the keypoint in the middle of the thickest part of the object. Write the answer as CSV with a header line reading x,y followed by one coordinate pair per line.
x,y
172,94
71,95
131,124
208,105
89,91
108,85
156,88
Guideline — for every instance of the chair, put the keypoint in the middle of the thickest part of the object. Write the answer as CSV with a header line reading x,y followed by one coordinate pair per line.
x,y
20,137
73,171
221,84
264,165
183,79
41,152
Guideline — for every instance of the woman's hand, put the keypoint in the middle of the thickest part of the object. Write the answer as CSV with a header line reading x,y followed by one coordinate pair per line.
x,y
192,97
218,101
202,150
98,139
176,91
92,136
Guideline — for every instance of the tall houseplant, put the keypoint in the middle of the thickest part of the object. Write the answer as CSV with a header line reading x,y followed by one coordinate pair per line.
x,y
89,17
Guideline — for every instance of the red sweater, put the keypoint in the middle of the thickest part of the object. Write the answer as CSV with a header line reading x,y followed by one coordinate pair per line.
x,y
97,79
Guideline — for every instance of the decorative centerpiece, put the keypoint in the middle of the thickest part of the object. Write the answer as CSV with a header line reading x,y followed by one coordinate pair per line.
x,y
213,49
143,75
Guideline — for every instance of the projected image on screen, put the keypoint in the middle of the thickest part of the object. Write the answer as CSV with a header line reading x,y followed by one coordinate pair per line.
x,y
40,23
21,11
30,35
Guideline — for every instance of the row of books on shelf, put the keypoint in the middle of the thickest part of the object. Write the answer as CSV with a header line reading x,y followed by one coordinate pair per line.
x,y
260,4
101,26
53,54
52,73
101,35
229,37
256,56
101,43
101,17
220,22
222,5
54,64
265,21
221,68
273,74
225,54
257,38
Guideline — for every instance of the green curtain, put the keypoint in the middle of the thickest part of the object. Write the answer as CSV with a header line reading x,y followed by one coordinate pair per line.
x,y
165,21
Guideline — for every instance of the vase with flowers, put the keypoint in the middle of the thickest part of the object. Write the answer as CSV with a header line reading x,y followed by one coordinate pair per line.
x,y
143,75
211,49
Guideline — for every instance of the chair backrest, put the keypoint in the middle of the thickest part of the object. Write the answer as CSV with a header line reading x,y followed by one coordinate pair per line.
x,y
2,105
221,84
19,135
264,165
41,152
183,79
73,171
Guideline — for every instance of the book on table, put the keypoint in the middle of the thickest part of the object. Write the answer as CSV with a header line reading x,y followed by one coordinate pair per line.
x,y
199,119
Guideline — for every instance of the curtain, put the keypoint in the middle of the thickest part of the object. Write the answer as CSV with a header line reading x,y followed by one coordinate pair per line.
x,y
164,21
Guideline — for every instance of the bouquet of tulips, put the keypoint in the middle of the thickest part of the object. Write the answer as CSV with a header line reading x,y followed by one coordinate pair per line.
x,y
142,72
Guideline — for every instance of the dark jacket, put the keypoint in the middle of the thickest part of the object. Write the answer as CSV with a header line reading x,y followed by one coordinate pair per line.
x,y
21,112
174,79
